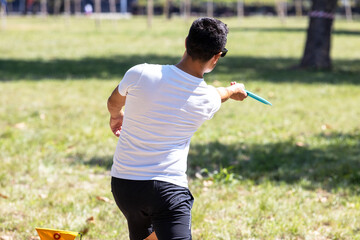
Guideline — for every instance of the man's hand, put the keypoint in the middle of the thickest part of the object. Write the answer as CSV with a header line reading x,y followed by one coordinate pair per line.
x,y
116,124
236,92
239,93
115,104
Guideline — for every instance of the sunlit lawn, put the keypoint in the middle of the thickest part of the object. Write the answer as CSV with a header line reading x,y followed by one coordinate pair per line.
x,y
290,171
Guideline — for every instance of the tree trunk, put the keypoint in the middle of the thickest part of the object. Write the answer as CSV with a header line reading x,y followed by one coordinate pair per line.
x,y
2,8
318,42
57,6
112,6
298,7
77,7
187,9
97,11
43,7
167,9
67,7
281,8
3,15
150,12
210,8
240,9
97,6
348,11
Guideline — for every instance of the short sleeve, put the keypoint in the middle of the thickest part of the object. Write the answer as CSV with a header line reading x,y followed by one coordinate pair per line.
x,y
216,101
130,79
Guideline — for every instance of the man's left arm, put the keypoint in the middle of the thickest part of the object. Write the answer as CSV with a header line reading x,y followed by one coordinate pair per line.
x,y
115,104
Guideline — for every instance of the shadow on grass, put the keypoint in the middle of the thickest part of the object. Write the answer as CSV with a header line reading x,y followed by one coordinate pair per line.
x,y
333,164
74,69
233,67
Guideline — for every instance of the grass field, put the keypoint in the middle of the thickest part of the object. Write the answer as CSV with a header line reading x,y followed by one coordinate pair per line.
x,y
290,171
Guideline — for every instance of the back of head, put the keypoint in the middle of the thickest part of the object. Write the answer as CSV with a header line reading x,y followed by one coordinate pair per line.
x,y
207,37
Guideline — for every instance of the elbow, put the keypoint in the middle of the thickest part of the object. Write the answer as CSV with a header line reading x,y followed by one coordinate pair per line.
x,y
110,104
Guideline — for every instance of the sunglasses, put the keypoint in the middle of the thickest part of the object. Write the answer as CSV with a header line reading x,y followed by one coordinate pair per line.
x,y
223,52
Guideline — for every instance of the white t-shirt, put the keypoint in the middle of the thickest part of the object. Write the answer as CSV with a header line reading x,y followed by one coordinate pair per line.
x,y
164,107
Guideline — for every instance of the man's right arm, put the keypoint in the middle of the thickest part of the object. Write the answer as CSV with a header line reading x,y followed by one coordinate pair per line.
x,y
236,92
115,104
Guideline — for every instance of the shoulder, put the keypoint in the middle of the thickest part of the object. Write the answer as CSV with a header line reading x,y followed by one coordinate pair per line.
x,y
145,68
131,78
136,70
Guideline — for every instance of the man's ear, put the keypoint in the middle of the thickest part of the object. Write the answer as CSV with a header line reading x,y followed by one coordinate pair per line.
x,y
216,58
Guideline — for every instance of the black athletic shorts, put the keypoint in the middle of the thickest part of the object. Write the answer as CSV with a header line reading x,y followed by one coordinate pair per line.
x,y
154,206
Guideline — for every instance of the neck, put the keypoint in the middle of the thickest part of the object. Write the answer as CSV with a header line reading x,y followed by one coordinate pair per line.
x,y
188,65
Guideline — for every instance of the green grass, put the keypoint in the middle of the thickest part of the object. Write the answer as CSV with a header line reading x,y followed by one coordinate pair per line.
x,y
290,171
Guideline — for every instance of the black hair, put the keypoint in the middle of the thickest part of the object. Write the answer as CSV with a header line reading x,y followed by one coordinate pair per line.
x,y
207,37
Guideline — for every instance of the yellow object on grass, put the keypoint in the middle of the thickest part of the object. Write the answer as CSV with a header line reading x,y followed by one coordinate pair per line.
x,y
55,234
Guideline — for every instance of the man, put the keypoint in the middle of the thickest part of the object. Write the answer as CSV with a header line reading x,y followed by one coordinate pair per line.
x,y
164,106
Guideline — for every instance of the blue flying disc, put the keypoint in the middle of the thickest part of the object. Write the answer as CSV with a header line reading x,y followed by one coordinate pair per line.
x,y
256,97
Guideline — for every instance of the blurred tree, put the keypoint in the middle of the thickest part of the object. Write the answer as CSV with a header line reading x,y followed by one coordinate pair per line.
x,y
281,9
112,6
43,7
3,13
67,7
150,12
210,8
77,6
187,9
240,9
98,6
348,11
57,6
167,13
298,7
318,42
